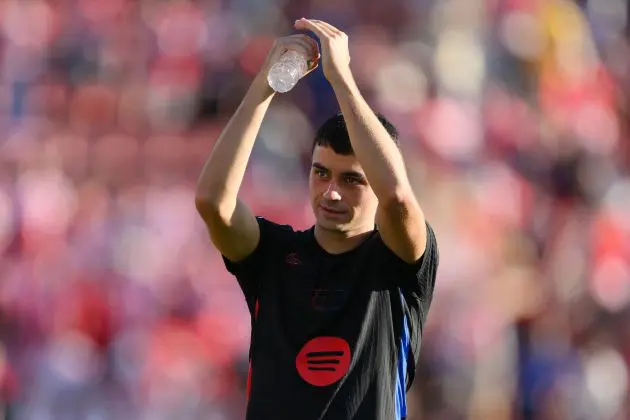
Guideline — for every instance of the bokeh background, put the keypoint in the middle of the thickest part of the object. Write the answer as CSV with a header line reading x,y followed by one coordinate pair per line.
x,y
514,122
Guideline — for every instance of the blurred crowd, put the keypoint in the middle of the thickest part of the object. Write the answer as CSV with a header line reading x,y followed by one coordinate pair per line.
x,y
514,123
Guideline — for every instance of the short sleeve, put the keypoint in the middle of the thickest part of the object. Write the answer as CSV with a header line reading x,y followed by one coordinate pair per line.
x,y
422,276
252,269
416,280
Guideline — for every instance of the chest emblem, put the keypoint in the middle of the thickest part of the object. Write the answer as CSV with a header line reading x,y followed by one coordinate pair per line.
x,y
323,360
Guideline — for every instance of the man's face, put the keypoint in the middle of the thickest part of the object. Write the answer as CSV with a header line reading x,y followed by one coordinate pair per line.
x,y
341,197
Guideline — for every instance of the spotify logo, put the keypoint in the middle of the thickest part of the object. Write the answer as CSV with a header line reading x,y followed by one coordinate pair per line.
x,y
323,360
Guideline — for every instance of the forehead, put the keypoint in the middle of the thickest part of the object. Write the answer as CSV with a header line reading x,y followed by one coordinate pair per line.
x,y
327,157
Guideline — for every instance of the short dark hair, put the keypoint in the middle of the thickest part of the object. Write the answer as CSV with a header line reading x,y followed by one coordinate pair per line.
x,y
333,133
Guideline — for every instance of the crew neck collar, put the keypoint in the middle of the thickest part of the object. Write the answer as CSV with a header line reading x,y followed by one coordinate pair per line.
x,y
320,250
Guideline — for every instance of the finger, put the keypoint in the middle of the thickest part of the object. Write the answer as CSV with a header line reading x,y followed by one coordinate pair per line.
x,y
327,25
330,30
321,31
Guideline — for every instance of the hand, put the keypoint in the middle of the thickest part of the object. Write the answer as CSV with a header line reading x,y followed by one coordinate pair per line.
x,y
299,42
335,51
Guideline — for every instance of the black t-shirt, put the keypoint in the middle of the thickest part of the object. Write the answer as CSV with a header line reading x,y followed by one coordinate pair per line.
x,y
333,336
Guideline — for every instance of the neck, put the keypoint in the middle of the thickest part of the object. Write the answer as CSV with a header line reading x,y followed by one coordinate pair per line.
x,y
337,242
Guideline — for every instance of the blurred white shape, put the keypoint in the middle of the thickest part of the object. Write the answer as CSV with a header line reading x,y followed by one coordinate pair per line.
x,y
608,15
499,193
170,215
459,62
606,377
287,131
48,200
610,284
226,36
73,356
400,85
459,14
140,256
415,49
522,34
454,129
597,127
617,202
27,23
464,249
181,31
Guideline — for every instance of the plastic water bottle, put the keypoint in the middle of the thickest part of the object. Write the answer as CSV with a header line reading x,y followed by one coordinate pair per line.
x,y
287,71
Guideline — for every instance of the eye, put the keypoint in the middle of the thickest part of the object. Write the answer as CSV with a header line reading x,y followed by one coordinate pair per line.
x,y
351,180
319,173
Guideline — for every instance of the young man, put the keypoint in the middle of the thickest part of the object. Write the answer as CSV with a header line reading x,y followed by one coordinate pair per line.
x,y
337,310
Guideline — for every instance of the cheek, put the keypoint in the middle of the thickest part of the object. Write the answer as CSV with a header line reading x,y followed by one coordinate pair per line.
x,y
355,198
364,200
314,189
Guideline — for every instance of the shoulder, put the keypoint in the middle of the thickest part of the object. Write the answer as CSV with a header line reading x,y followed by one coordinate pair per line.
x,y
430,255
274,231
273,237
419,275
264,222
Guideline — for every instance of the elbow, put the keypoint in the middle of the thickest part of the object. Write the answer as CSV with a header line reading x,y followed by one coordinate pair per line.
x,y
399,201
203,198
205,206
212,207
208,194
205,201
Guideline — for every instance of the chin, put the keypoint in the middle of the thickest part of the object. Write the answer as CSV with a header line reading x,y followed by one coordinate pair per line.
x,y
331,225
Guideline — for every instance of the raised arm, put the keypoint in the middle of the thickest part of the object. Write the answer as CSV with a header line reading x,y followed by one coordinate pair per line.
x,y
231,224
400,218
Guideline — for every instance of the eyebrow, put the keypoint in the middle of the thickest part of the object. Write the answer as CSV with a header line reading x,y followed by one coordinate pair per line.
x,y
353,174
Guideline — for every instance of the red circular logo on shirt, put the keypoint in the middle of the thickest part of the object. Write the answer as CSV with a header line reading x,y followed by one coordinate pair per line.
x,y
323,360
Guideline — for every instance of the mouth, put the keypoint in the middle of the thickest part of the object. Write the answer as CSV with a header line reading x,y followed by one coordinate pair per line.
x,y
331,211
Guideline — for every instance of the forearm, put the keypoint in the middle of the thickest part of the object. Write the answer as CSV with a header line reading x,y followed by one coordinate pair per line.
x,y
223,173
378,154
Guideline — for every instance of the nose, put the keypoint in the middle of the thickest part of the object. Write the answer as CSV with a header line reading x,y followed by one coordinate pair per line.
x,y
332,192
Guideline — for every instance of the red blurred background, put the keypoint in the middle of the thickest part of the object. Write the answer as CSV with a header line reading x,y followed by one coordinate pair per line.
x,y
514,122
